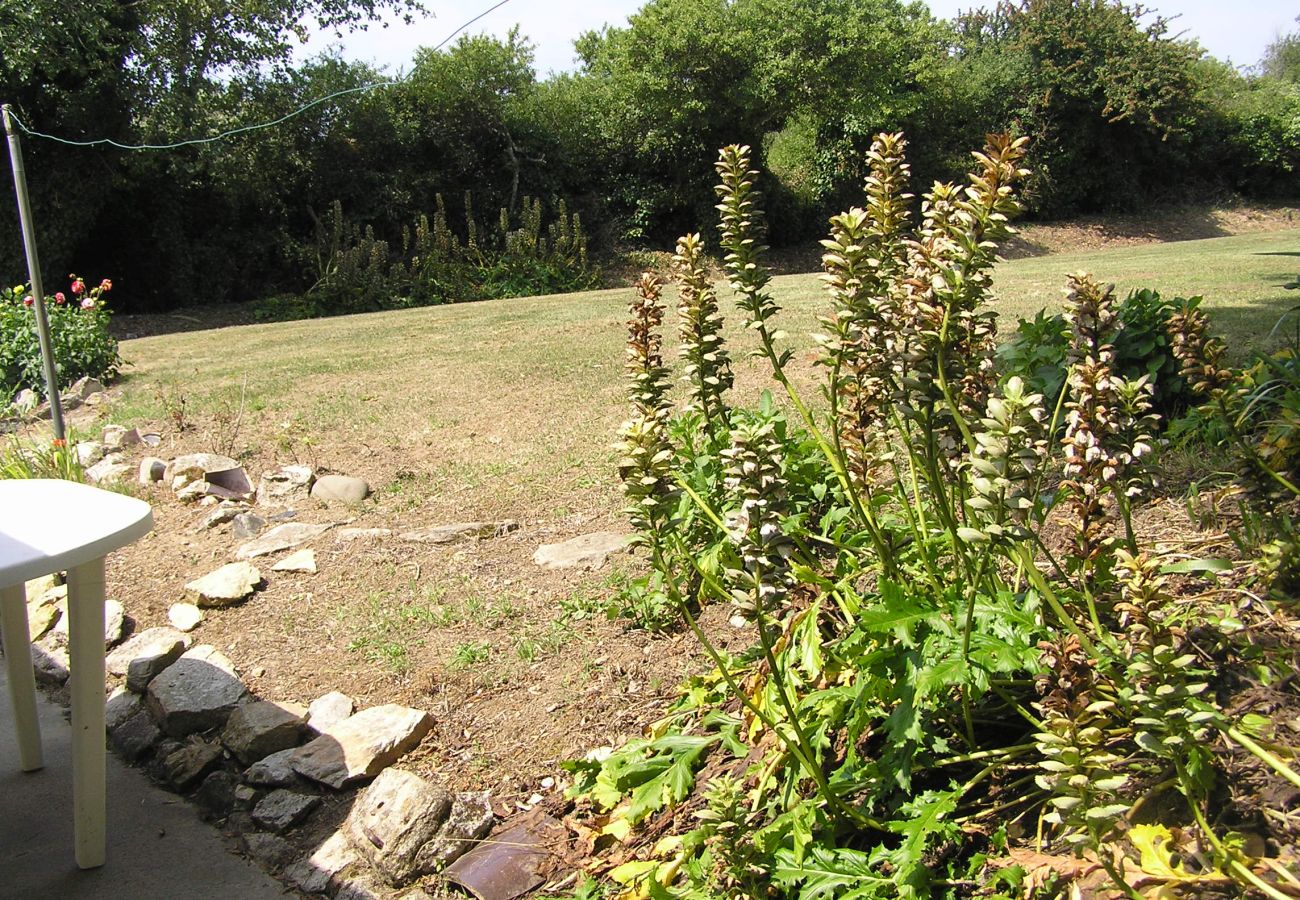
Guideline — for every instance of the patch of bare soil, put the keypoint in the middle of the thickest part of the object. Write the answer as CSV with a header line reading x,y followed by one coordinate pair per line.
x,y
520,666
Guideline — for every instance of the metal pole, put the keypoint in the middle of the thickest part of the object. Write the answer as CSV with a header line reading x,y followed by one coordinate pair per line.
x,y
34,273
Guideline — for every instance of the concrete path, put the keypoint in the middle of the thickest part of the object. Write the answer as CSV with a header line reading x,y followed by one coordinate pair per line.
x,y
158,849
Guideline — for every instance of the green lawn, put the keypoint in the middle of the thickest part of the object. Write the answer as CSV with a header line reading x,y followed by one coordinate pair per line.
x,y
525,395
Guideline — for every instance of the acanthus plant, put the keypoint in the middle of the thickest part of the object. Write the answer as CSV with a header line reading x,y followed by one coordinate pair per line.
x,y
926,672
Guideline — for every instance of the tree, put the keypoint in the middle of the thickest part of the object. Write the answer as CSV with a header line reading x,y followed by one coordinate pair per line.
x,y
1282,58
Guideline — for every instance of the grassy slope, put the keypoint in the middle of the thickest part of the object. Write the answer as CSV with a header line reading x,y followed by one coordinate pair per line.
x,y
525,394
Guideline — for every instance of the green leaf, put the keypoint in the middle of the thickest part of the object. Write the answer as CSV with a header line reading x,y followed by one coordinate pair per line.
x,y
1197,565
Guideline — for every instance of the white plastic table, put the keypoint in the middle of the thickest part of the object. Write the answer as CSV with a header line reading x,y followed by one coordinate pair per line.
x,y
51,526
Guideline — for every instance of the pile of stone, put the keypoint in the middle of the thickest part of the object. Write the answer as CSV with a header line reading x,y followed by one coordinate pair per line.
x,y
263,768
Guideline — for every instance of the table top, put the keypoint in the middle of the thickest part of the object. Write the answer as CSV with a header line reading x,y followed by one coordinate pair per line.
x,y
49,525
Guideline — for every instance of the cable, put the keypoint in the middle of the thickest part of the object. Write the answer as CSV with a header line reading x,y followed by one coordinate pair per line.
x,y
246,128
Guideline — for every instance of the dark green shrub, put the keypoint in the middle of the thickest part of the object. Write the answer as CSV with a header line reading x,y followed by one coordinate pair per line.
x,y
78,333
1037,353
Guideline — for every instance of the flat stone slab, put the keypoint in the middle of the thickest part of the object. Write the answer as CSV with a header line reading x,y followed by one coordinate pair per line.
x,y
232,583
303,561
362,745
184,616
458,531
316,873
393,820
347,535
198,692
285,486
280,810
256,730
151,642
328,710
114,620
281,537
50,657
182,768
275,770
340,489
587,551
112,469
193,468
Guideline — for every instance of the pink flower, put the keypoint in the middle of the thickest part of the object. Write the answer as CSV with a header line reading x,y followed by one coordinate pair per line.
x,y
59,298
27,301
78,286
87,303
106,285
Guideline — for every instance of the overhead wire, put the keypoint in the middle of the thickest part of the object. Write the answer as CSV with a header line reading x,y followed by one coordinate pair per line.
x,y
109,142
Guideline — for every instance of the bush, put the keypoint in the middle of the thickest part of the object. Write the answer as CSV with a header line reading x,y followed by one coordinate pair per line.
x,y
1038,353
78,332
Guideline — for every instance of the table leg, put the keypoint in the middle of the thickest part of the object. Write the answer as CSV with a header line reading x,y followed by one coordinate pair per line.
x,y
89,761
21,676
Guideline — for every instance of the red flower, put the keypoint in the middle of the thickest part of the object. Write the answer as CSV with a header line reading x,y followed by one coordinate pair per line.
x,y
106,285
59,298
59,443
78,286
27,301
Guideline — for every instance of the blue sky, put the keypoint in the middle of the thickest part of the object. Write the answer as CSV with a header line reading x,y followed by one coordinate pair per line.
x,y
1235,31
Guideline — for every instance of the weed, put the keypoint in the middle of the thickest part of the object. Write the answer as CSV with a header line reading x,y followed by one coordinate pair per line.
x,y
469,654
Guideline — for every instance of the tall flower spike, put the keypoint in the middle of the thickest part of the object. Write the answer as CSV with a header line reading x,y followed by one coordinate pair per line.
x,y
742,229
1009,453
1199,354
645,453
753,475
707,365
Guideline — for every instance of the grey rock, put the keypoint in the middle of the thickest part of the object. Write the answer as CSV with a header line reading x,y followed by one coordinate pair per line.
x,y
117,437
362,745
120,706
303,561
458,531
85,386
112,469
182,768
329,710
315,874
188,475
232,583
274,770
281,537
89,453
136,736
50,657
160,642
184,616
282,809
271,850
256,730
216,794
245,796
340,488
158,652
348,535
26,401
151,438
114,620
470,819
247,525
393,819
587,551
225,511
43,612
152,469
285,486
362,887
196,693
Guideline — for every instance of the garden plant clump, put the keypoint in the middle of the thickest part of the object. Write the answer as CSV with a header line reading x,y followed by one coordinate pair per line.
x,y
81,343
972,673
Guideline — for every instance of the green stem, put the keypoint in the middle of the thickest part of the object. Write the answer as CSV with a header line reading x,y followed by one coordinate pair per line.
x,y
1264,755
